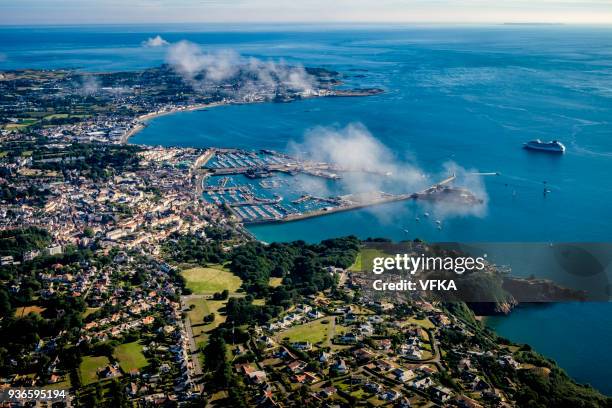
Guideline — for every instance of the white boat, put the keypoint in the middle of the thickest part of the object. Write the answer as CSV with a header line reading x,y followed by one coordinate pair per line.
x,y
550,147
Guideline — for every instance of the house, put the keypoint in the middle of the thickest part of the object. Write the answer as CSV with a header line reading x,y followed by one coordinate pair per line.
x,y
266,341
366,330
509,361
311,377
324,357
340,367
296,366
403,375
110,371
258,377
302,345
441,394
328,391
383,365
314,314
373,387
132,389
422,384
390,395
363,354
467,402
348,338
384,344
464,364
350,318
382,306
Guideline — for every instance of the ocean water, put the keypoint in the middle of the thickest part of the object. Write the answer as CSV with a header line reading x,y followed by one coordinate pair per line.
x,y
470,95
563,331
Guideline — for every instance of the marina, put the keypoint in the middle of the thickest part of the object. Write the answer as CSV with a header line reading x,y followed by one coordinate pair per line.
x,y
259,187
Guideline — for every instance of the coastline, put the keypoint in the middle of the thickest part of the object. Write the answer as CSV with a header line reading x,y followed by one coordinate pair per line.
x,y
201,106
140,125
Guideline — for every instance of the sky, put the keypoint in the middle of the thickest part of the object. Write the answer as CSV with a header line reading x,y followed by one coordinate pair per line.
x,y
15,12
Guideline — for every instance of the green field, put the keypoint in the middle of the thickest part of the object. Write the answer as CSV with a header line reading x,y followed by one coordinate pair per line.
x,y
425,323
204,307
89,311
89,367
364,259
130,356
314,332
211,279
274,282
56,116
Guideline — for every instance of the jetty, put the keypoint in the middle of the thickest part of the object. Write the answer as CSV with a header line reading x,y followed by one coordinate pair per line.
x,y
353,202
243,202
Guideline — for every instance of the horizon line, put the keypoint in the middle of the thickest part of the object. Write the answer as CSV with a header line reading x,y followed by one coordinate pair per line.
x,y
312,23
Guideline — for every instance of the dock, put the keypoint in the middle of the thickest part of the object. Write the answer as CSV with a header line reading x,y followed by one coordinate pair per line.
x,y
250,209
382,199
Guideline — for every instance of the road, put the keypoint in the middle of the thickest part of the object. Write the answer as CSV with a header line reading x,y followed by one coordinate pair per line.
x,y
197,366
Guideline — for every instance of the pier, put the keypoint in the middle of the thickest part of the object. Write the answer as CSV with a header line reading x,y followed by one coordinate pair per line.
x,y
248,208
347,204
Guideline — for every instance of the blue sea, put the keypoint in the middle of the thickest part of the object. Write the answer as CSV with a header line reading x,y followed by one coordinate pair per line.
x,y
470,95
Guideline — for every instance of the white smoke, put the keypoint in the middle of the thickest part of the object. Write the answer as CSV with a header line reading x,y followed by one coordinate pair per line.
x,y
156,41
89,85
203,68
471,181
371,167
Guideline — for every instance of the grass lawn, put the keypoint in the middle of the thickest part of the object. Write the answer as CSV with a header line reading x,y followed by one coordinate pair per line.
x,y
89,311
274,282
60,385
56,116
204,307
259,302
314,332
211,279
89,367
25,310
425,323
364,259
130,356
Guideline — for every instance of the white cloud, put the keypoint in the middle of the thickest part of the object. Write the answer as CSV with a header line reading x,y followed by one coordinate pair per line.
x,y
203,67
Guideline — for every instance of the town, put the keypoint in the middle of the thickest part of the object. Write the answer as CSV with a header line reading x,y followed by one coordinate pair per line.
x,y
129,279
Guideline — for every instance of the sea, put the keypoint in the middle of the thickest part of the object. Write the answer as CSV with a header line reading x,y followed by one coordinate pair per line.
x,y
456,97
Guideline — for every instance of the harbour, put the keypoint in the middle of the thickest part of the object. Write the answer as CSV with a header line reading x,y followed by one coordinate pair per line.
x,y
253,202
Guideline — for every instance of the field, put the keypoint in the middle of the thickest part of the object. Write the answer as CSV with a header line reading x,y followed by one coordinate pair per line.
x,y
425,323
274,282
202,308
364,259
89,311
89,367
130,356
25,310
313,332
211,279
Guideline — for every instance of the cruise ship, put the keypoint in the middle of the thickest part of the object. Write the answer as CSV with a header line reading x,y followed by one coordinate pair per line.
x,y
551,147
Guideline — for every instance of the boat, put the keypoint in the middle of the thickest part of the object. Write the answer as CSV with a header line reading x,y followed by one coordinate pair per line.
x,y
551,147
